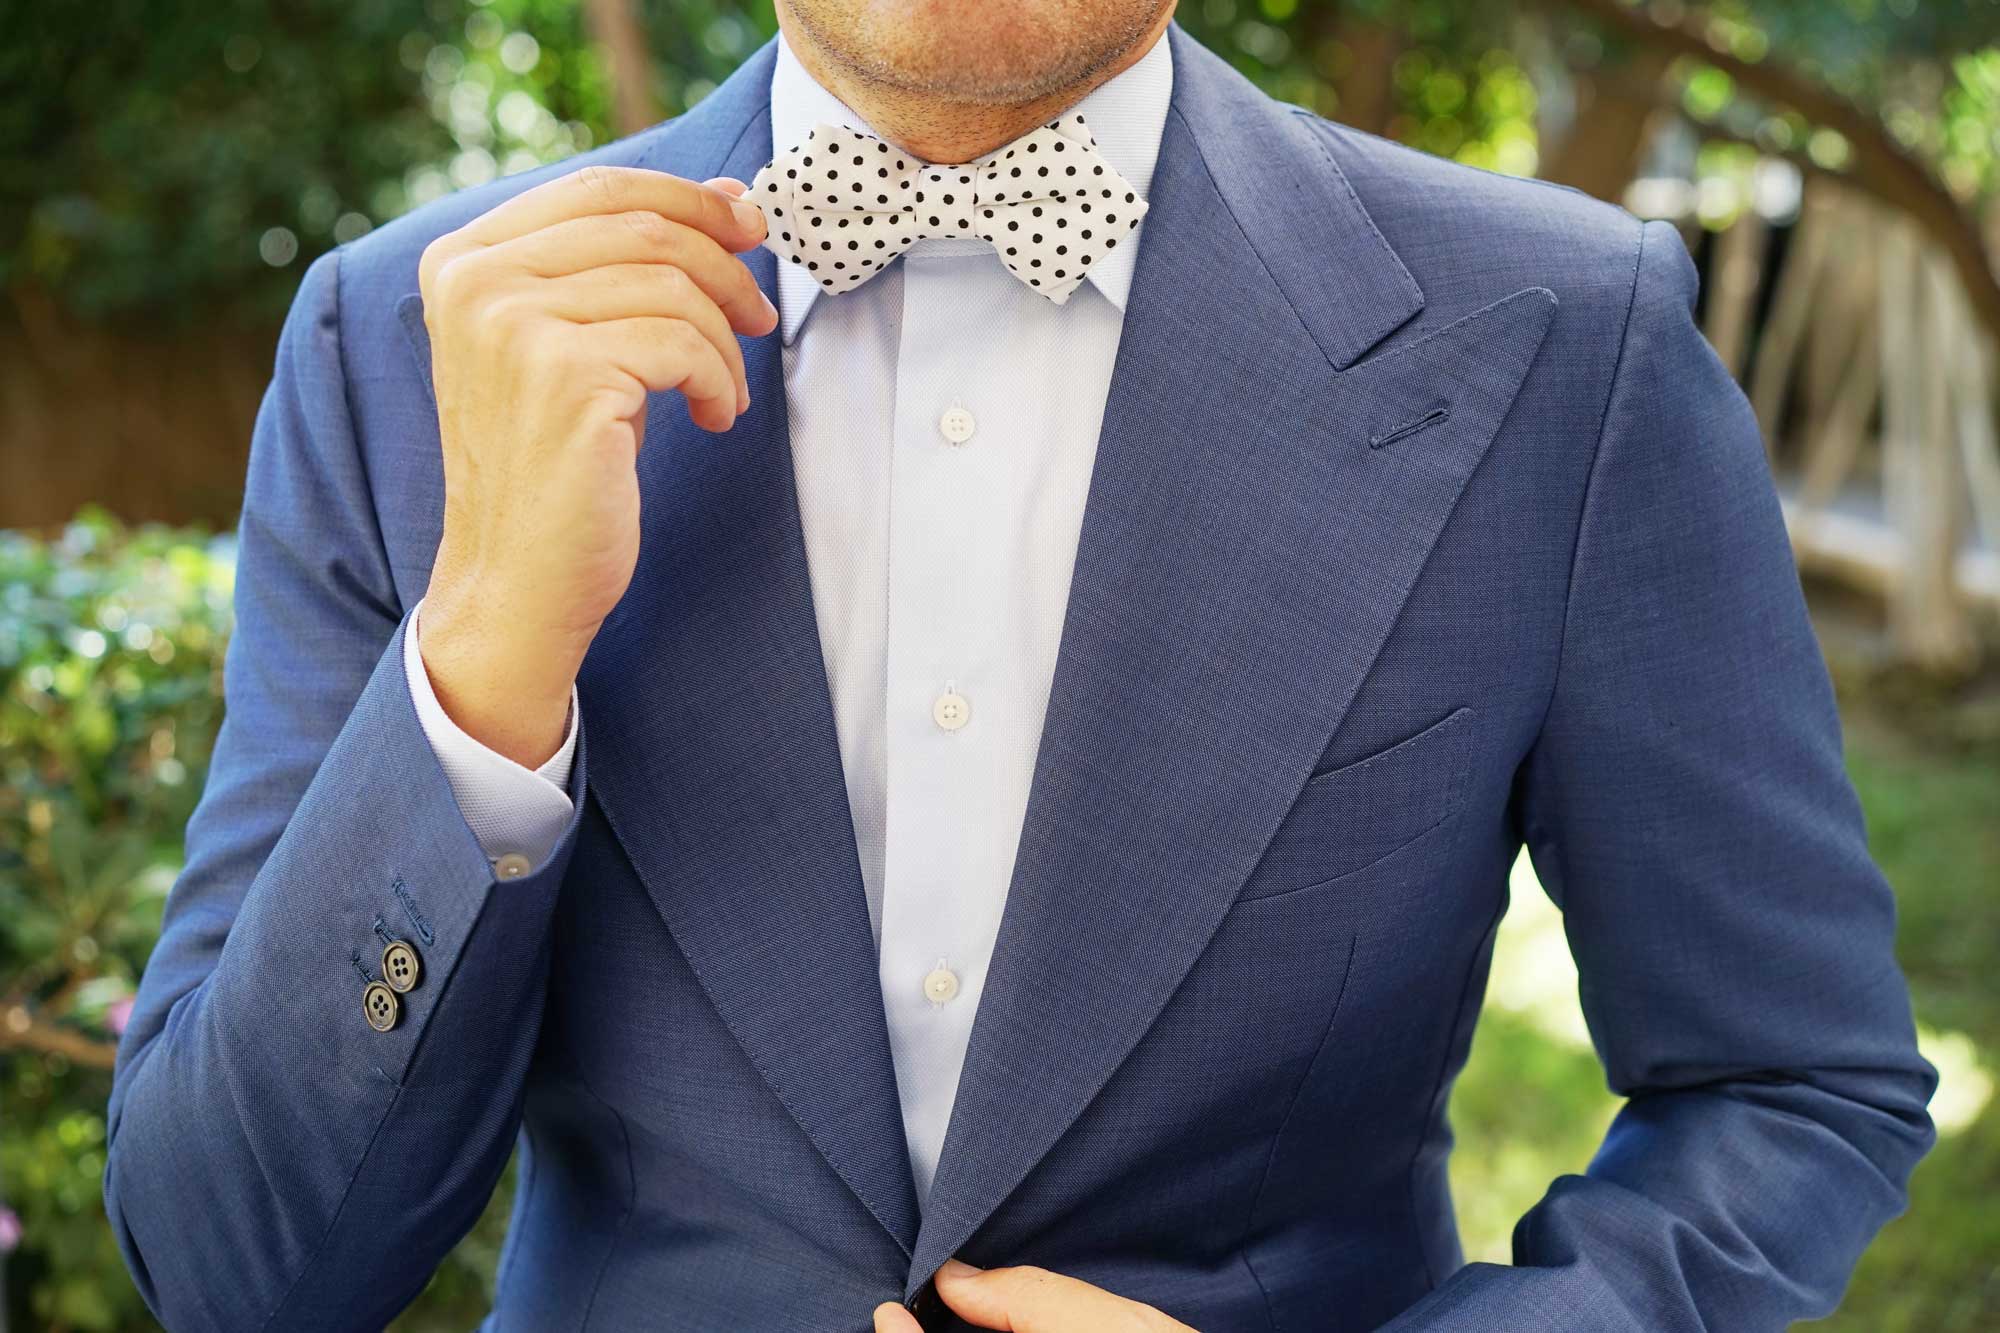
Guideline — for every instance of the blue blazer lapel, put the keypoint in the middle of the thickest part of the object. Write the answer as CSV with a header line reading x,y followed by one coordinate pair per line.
x,y
714,755
1262,502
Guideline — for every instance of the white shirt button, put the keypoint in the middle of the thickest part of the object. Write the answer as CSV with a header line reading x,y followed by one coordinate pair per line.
x,y
951,710
957,425
512,866
940,984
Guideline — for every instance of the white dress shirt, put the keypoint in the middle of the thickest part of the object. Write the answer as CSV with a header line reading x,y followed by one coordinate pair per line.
x,y
944,421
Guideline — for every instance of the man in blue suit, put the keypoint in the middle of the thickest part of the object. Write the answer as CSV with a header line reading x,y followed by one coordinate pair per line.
x,y
944,659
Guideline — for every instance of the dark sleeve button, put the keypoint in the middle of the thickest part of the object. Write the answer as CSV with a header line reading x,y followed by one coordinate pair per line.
x,y
401,967
381,1006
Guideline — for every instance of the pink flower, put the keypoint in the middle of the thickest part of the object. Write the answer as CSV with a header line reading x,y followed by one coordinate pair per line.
x,y
118,1015
10,1230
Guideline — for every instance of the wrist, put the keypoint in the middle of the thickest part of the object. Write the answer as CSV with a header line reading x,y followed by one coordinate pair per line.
x,y
504,685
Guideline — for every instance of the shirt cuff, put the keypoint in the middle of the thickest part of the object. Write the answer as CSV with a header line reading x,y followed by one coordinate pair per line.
x,y
512,811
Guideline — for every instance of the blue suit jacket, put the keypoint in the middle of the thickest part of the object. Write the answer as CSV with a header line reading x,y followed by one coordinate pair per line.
x,y
1424,523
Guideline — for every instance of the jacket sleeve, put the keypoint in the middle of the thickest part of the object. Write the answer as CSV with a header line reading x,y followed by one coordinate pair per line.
x,y
1686,807
274,1161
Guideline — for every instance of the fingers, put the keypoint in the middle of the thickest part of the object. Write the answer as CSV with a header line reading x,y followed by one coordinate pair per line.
x,y
893,1318
735,224
662,354
1033,1300
639,291
1023,1299
577,245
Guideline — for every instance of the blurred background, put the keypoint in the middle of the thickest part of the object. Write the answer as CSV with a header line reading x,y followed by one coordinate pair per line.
x,y
168,168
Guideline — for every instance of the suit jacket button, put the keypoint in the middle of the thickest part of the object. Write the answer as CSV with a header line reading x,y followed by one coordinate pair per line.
x,y
512,866
401,967
928,1307
381,1006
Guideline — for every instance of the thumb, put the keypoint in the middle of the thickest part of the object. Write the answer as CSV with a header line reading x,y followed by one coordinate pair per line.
x,y
750,220
1026,1299
893,1318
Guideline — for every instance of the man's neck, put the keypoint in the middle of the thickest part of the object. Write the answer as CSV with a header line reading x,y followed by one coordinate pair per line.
x,y
938,129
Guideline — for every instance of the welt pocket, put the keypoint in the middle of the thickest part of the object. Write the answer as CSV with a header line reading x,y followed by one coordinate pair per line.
x,y
1350,816
1419,748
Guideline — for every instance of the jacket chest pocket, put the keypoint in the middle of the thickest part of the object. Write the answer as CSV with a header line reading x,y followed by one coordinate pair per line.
x,y
1348,818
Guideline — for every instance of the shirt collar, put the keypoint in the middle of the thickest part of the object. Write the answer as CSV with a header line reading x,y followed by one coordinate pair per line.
x,y
1126,114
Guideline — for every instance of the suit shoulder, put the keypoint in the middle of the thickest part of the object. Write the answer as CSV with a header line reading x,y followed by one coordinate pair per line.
x,y
1471,236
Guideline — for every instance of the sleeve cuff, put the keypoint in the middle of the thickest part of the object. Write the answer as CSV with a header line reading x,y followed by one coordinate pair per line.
x,y
513,812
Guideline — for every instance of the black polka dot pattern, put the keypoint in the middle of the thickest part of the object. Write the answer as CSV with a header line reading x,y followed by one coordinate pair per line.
x,y
847,203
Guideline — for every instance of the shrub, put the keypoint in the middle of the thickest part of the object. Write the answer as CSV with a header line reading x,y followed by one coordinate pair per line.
x,y
110,692
111,643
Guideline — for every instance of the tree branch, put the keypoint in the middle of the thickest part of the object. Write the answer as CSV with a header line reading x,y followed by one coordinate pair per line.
x,y
1888,170
1864,186
21,1030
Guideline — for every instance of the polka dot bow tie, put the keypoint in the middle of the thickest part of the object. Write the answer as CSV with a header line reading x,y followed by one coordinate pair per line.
x,y
844,204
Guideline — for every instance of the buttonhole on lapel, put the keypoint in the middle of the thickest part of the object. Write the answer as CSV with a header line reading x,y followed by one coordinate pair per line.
x,y
417,918
1436,416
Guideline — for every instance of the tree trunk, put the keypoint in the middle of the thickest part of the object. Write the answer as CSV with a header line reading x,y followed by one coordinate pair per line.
x,y
1792,306
623,42
1365,84
1927,618
1734,281
1616,112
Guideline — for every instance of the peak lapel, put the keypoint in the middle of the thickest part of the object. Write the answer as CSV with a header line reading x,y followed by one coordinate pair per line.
x,y
1246,548
714,755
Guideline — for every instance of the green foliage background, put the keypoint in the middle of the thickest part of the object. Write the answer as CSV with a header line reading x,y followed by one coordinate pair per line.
x,y
176,162
167,165
110,674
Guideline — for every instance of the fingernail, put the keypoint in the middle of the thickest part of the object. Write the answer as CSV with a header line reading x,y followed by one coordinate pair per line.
x,y
769,309
957,1268
748,214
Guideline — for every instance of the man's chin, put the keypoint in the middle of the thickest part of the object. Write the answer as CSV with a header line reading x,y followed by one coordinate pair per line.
x,y
975,52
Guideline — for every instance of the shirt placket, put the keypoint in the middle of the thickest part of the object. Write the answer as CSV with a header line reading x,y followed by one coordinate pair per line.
x,y
945,709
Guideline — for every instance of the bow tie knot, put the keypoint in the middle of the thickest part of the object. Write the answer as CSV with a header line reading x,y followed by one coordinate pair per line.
x,y
845,203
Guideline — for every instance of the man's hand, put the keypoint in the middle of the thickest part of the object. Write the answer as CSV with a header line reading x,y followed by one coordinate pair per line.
x,y
1030,1300
551,318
